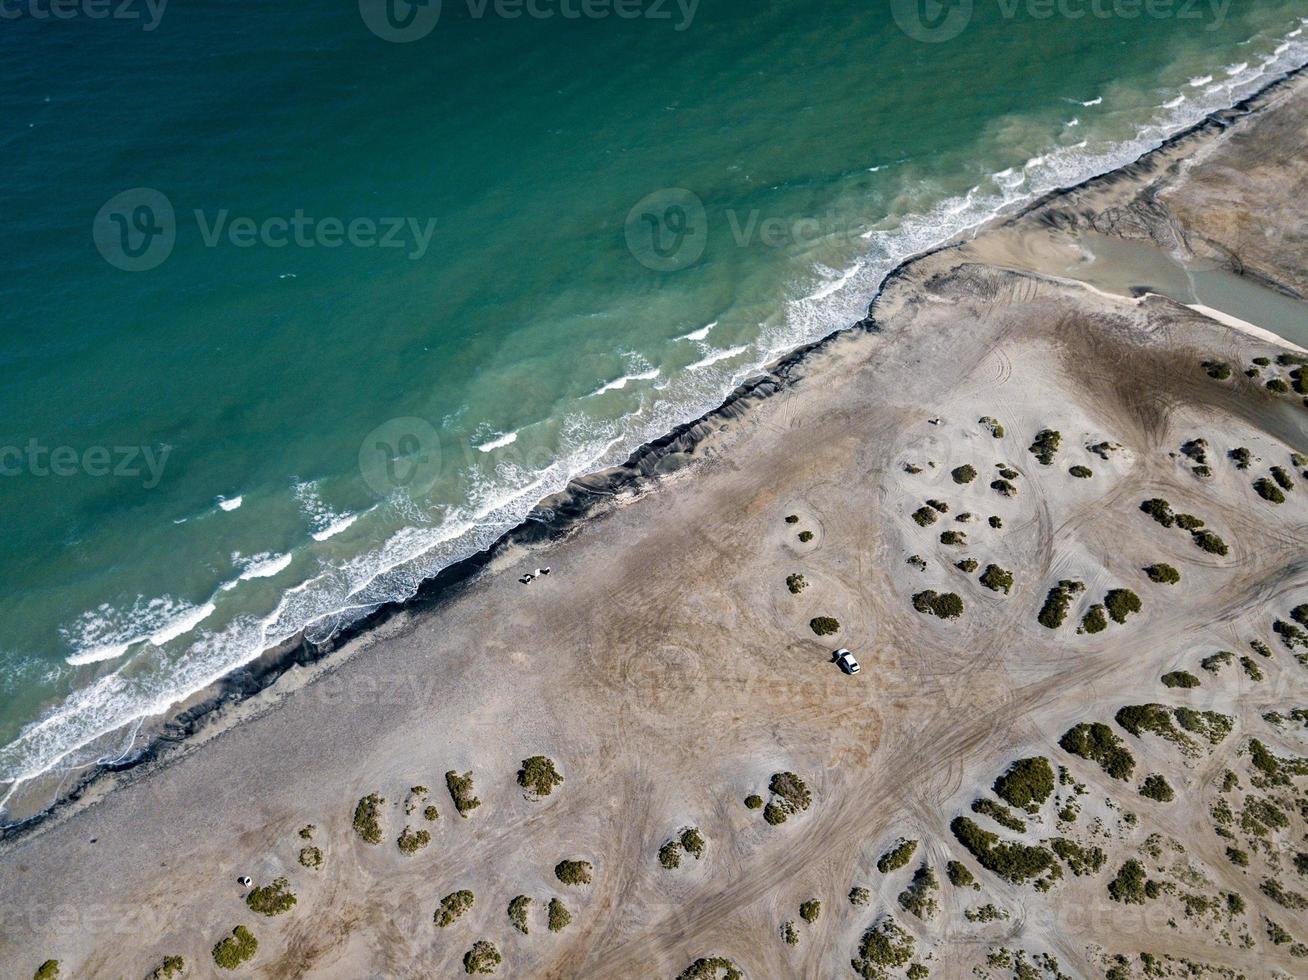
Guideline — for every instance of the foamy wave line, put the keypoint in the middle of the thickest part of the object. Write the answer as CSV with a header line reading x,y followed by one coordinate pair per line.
x,y
114,702
335,528
619,383
499,442
715,356
700,334
231,504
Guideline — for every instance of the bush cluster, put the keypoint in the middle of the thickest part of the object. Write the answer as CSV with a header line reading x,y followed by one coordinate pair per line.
x,y
1059,598
897,856
460,788
1097,743
1269,491
452,906
953,537
997,579
958,874
236,949
271,899
1156,787
963,474
1081,472
538,776
1162,573
482,958
924,517
1080,860
1179,678
884,946
919,897
311,858
996,429
1026,784
558,915
519,907
412,841
1120,603
823,625
1010,860
573,872
946,605
172,966
999,813
1217,370
366,818
810,910
1095,620
1046,445
1129,885
711,968
795,583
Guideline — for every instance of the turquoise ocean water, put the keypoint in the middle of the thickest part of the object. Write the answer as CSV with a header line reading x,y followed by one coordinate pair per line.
x,y
303,302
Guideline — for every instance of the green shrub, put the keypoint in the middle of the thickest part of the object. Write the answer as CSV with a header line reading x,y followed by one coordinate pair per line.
x,y
693,842
1129,885
968,565
754,801
1215,662
795,583
1162,573
236,949
460,788
1241,457
573,872
1010,860
810,910
999,813
944,605
306,832
897,856
670,855
1263,361
366,822
789,934
859,896
792,518
823,625
1054,611
1003,488
775,813
1095,620
482,958
1079,860
1217,370
996,521
1188,522
1282,478
1097,743
519,908
452,906
1180,678
996,429
49,970
1026,784
430,813
538,776
311,858
1269,491
1155,787
1238,857
412,841
958,874
1278,386
805,536
917,561
1081,472
791,790
1046,445
1160,510
559,916
919,897
997,579
963,474
953,537
172,966
1210,543
1120,603
939,506
271,899
884,946
1006,471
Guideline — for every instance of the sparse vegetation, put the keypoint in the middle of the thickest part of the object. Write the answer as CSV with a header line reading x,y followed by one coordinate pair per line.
x,y
1129,885
1096,742
171,967
810,910
1081,472
236,949
1162,573
573,872
945,605
558,915
859,896
49,970
271,899
919,897
996,521
482,958
792,518
968,565
1046,445
996,429
1003,488
1217,370
460,788
1120,603
1241,457
538,776
412,841
884,946
963,474
754,801
795,583
958,874
1180,678
306,832
1010,860
1282,478
823,625
997,579
1059,598
366,818
897,856
789,934
953,537
1156,787
1026,784
311,858
1210,543
519,908
452,907
693,843
1095,619
805,536
1269,491
925,516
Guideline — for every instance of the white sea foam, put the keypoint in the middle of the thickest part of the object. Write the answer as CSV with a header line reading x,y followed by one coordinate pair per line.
x,y
265,565
619,383
231,504
335,596
335,527
1173,103
499,442
718,355
1095,101
326,523
1200,80
183,624
1236,69
700,334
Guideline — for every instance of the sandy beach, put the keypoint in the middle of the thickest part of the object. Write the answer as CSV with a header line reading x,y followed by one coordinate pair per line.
x,y
671,663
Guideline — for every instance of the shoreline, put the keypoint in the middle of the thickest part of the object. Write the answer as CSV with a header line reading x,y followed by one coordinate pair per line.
x,y
253,687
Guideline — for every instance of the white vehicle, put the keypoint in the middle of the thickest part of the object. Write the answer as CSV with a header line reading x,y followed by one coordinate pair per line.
x,y
846,661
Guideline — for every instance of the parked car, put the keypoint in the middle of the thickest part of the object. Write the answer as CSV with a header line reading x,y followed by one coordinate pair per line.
x,y
846,661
